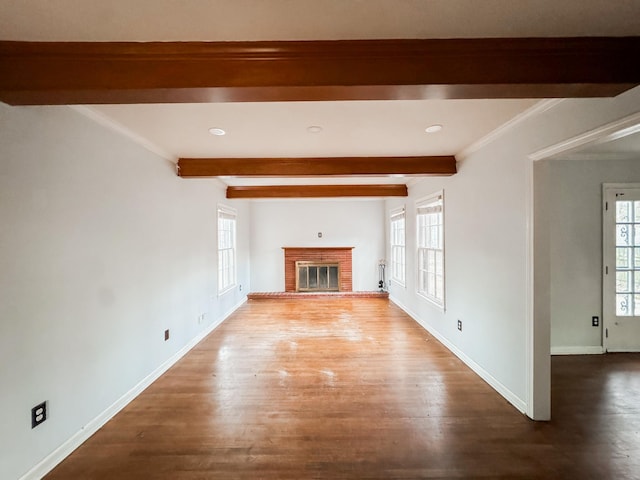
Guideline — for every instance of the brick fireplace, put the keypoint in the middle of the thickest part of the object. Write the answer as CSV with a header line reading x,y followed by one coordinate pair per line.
x,y
334,255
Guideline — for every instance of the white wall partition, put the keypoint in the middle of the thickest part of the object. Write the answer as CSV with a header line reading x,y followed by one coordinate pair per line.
x,y
297,223
489,226
102,248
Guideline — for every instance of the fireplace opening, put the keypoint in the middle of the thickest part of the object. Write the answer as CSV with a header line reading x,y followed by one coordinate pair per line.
x,y
317,277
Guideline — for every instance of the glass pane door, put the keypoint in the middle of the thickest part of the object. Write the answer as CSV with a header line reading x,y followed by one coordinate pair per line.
x,y
621,269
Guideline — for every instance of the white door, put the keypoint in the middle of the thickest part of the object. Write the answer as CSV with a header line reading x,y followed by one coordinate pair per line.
x,y
621,268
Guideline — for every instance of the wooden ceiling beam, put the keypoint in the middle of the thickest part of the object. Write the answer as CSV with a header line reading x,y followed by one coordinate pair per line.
x,y
317,191
316,167
48,73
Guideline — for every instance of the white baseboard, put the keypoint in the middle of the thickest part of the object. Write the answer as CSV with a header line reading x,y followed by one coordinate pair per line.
x,y
63,451
590,350
511,397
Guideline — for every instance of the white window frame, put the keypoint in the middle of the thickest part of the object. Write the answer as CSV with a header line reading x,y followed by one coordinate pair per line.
x,y
430,254
398,246
227,232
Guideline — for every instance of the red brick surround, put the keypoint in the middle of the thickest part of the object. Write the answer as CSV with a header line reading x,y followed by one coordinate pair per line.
x,y
340,255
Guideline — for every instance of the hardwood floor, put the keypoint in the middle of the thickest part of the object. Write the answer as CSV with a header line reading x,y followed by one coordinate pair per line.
x,y
353,388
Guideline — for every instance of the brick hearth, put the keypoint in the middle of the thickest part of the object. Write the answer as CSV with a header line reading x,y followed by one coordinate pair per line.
x,y
288,295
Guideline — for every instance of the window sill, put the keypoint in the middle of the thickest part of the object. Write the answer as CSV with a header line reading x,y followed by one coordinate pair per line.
x,y
227,290
434,303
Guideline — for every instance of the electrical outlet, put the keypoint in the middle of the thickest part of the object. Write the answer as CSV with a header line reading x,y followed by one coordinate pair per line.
x,y
595,321
460,325
38,414
240,287
166,335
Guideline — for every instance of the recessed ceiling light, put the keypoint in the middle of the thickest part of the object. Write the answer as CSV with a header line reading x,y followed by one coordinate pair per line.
x,y
314,129
433,128
217,131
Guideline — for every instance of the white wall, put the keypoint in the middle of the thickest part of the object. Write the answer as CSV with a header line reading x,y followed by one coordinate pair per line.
x,y
575,228
296,223
484,265
488,220
102,248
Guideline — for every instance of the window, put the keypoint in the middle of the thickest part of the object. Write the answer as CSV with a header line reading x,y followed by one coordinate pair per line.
x,y
226,249
430,226
397,246
627,241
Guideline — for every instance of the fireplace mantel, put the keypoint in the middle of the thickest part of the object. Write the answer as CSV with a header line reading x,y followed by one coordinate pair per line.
x,y
318,248
339,255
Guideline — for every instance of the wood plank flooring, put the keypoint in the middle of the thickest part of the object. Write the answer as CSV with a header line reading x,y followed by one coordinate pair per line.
x,y
353,388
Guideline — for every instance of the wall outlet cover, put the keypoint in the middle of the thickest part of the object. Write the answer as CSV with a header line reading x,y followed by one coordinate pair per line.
x,y
38,414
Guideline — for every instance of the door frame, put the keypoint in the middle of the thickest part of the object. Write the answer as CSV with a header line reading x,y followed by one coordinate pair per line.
x,y
608,270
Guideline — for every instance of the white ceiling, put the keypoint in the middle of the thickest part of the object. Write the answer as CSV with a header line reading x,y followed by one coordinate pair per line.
x,y
225,20
376,128
280,129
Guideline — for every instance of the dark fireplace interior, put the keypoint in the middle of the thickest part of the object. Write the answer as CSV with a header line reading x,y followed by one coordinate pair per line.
x,y
317,277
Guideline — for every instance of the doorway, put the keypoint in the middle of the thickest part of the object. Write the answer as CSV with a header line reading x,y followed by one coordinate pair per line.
x,y
621,267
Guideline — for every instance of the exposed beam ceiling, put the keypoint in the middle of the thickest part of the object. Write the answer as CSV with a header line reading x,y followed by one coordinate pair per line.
x,y
82,73
317,191
334,166
174,72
